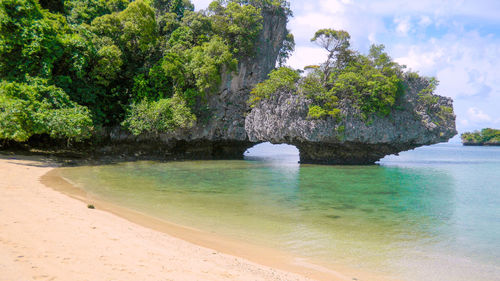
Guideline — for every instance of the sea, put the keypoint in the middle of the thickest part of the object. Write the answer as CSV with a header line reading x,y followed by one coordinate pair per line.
x,y
432,213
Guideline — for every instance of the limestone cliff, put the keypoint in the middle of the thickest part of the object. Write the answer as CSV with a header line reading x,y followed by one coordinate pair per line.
x,y
352,140
231,126
221,134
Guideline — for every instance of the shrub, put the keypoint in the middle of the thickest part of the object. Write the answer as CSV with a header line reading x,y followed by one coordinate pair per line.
x,y
283,78
33,108
164,115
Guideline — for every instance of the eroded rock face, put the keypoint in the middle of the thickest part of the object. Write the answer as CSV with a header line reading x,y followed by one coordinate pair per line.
x,y
231,126
221,134
283,119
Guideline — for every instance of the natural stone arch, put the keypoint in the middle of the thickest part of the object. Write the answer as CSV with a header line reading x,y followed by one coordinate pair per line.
x,y
283,118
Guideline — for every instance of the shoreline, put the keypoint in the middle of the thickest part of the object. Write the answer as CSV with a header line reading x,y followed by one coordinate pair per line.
x,y
239,260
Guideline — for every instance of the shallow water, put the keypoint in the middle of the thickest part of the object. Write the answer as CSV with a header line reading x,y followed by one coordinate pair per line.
x,y
428,214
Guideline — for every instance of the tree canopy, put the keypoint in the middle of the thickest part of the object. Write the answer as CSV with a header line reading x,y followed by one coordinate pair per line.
x,y
371,83
68,66
486,136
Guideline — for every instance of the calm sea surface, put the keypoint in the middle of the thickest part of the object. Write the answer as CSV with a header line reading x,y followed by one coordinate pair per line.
x,y
428,214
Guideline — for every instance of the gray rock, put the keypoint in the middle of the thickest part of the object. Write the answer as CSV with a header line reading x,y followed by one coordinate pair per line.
x,y
221,135
232,127
283,119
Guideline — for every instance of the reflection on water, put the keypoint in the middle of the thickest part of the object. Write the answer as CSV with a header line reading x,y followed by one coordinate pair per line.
x,y
429,214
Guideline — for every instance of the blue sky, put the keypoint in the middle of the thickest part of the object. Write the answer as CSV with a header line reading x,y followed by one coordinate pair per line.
x,y
456,41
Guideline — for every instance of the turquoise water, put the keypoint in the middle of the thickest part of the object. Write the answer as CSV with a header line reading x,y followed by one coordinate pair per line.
x,y
428,214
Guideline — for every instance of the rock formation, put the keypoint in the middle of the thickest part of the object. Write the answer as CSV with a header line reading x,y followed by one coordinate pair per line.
x,y
221,134
283,119
232,127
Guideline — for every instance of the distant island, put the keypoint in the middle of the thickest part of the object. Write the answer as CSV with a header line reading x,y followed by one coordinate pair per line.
x,y
486,136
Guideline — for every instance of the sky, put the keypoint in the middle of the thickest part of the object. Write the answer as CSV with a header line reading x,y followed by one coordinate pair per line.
x,y
456,41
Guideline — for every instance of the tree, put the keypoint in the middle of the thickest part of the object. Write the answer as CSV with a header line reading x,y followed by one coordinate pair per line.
x,y
336,43
85,11
383,62
34,108
274,5
281,79
287,49
207,61
39,47
486,136
177,7
162,116
238,24
55,6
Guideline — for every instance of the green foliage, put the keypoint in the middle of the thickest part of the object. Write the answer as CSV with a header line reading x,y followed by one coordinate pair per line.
x,y
152,86
29,40
283,78
108,65
239,24
425,96
207,62
134,29
316,112
162,116
311,85
383,62
121,59
276,6
371,83
326,109
85,11
178,7
332,40
336,43
138,27
325,102
36,108
367,87
485,136
287,49
445,112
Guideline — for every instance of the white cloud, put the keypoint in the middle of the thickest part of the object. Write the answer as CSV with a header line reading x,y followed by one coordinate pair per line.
x,y
333,6
463,122
201,4
418,58
477,115
403,25
425,21
305,56
466,64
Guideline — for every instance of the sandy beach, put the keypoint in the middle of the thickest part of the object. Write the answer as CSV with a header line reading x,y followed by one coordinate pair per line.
x,y
47,235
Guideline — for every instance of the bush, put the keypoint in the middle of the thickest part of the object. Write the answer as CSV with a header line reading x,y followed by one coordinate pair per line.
x,y
425,96
283,78
367,87
316,112
162,116
32,108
